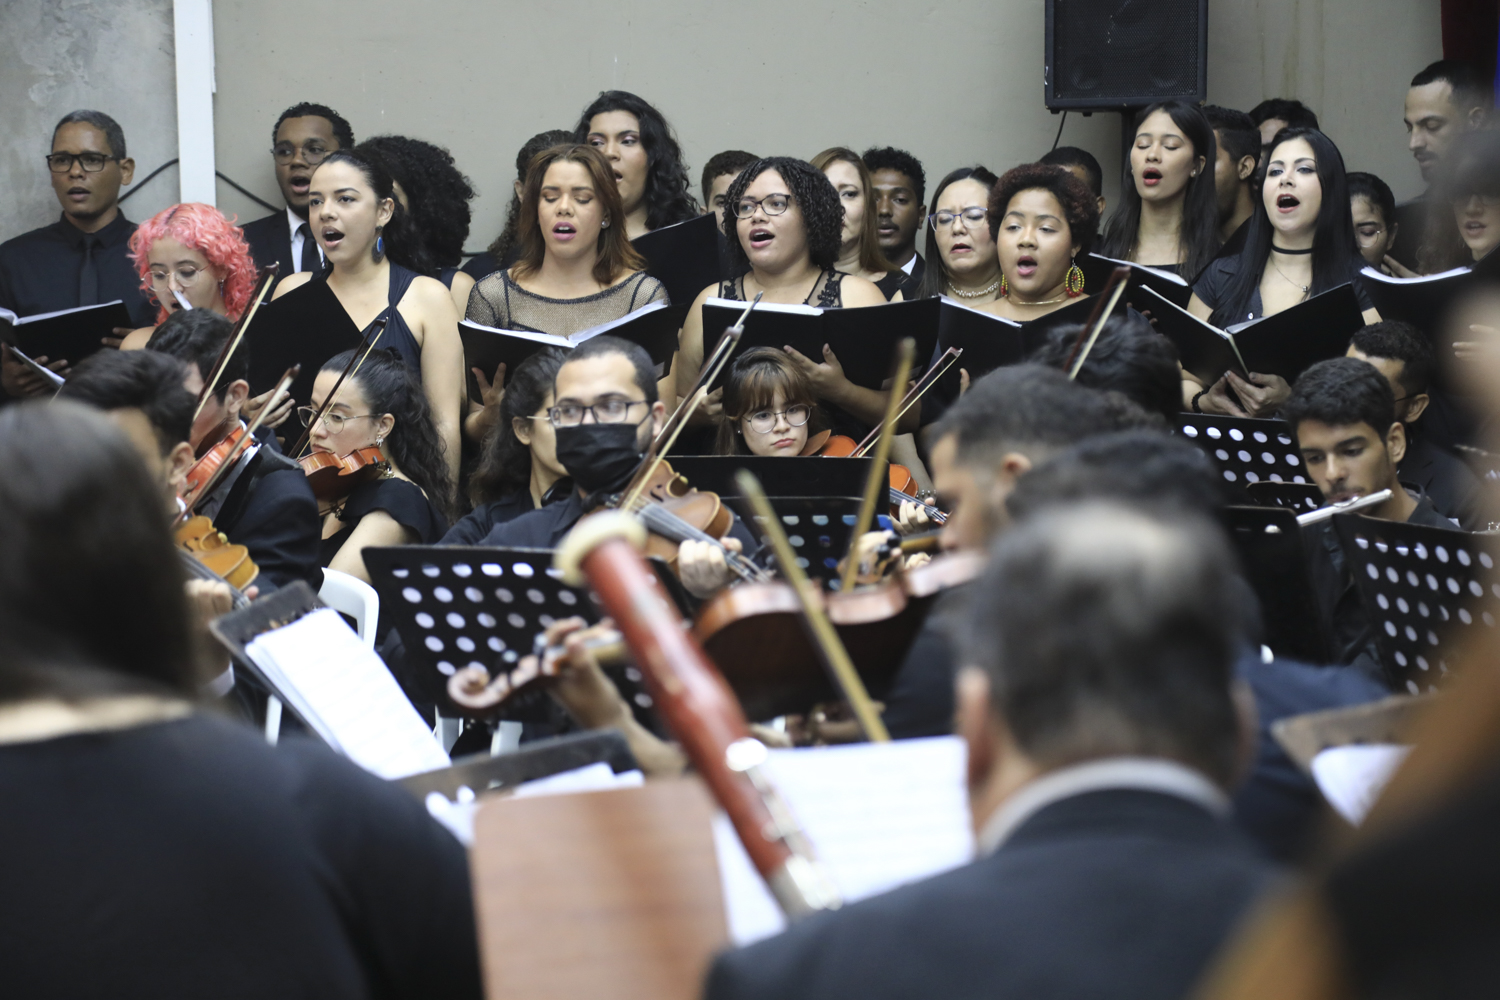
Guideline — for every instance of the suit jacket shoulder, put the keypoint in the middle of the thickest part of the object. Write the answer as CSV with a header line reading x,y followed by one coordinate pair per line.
x,y
270,242
278,522
1109,894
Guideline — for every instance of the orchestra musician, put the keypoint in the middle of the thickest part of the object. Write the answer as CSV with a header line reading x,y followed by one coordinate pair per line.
x,y
355,215
769,406
190,855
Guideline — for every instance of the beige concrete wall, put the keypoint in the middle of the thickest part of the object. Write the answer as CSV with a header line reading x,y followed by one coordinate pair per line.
x,y
55,56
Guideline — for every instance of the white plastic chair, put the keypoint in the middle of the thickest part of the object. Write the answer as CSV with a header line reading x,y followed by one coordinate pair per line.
x,y
352,596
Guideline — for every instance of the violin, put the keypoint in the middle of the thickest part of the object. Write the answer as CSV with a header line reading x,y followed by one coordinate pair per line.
x,y
208,547
333,478
204,469
473,690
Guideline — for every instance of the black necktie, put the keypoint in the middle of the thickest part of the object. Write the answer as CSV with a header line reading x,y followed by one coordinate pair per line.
x,y
88,275
310,259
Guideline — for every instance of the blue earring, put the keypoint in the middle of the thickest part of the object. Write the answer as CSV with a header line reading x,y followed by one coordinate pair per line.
x,y
380,245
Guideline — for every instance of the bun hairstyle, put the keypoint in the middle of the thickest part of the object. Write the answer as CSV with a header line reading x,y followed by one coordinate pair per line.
x,y
403,243
752,383
390,387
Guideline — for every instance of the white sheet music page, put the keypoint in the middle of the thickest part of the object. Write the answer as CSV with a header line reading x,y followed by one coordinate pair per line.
x,y
879,815
1352,777
346,693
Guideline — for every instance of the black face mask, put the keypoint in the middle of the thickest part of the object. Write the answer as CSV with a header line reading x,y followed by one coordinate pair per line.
x,y
599,457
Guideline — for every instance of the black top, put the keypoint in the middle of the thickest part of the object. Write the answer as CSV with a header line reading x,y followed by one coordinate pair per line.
x,y
189,859
1212,287
920,701
481,265
402,499
1411,217
397,334
271,511
271,243
1444,478
39,270
898,281
474,526
1117,893
829,290
544,527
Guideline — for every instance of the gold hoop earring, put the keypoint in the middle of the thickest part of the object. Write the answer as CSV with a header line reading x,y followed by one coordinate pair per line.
x,y
1073,283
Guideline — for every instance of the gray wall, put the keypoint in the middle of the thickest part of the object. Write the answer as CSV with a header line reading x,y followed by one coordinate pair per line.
x,y
111,55
956,83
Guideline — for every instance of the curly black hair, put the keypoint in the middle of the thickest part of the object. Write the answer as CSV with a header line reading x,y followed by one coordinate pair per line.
x,y
341,130
403,243
390,387
899,160
822,214
505,464
437,193
505,248
1079,207
669,191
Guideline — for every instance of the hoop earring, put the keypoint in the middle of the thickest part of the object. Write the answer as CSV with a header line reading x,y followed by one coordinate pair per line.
x,y
1074,281
379,252
1004,286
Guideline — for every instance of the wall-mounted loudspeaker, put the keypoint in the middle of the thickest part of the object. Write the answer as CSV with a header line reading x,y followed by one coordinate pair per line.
x,y
1104,54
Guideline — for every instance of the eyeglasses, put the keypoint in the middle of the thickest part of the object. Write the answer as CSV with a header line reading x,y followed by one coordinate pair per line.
x,y
312,152
771,204
185,276
764,421
333,421
973,214
606,411
61,163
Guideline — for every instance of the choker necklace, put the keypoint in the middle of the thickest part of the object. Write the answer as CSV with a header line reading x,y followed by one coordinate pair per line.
x,y
986,290
1294,253
1044,302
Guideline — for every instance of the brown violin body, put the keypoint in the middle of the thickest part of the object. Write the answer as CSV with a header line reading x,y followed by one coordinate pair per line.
x,y
209,546
334,477
839,446
668,491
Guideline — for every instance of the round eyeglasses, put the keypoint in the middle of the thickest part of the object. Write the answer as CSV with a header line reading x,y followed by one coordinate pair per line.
x,y
764,421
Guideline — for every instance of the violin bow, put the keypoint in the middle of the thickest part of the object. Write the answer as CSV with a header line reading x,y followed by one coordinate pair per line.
x,y
1113,289
825,637
935,372
663,441
372,337
233,343
878,481
212,483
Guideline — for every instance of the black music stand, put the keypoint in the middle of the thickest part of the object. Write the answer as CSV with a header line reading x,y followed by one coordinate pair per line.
x,y
1246,449
463,606
818,528
1269,543
801,477
482,772
1299,497
238,629
1423,589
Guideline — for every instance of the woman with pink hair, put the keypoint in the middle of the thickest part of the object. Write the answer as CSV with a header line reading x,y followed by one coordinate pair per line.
x,y
193,251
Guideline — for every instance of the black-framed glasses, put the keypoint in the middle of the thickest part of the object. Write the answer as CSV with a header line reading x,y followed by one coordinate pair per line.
x,y
973,214
771,204
605,411
92,163
313,152
764,421
333,421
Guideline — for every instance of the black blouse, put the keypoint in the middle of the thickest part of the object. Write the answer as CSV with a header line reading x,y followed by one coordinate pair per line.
x,y
1213,288
403,500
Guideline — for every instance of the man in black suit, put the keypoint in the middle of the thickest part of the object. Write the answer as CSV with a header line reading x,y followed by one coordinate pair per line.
x,y
265,503
1102,736
1401,353
303,137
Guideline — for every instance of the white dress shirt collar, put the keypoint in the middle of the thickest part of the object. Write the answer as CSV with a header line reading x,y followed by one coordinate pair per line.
x,y
293,222
1148,774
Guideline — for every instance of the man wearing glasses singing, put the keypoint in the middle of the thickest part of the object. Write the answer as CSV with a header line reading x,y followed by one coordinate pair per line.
x,y
81,259
303,137
606,414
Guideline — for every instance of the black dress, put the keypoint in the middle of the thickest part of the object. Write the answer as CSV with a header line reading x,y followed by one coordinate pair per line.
x,y
189,859
403,500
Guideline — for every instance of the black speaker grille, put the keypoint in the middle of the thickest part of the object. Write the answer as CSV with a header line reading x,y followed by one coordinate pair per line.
x,y
1118,53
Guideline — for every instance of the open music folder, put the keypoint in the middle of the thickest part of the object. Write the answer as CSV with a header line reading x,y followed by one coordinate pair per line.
x,y
67,334
306,327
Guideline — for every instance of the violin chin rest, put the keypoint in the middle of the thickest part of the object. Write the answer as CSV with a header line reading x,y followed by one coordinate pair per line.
x,y
588,534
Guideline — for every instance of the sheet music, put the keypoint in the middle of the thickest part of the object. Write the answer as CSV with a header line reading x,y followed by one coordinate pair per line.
x,y
347,695
1352,777
879,815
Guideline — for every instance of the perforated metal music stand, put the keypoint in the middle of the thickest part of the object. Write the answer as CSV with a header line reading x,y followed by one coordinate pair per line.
x,y
818,528
1424,590
1298,497
1269,543
1246,449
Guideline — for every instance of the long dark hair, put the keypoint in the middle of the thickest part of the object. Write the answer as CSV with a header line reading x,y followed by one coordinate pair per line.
x,y
403,243
616,255
669,191
753,380
813,193
503,250
436,190
1198,238
1471,167
935,277
1335,256
91,595
390,387
505,464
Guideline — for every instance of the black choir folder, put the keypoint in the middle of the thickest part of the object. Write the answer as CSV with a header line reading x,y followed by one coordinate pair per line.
x,y
864,340
1097,268
684,257
1286,344
306,327
1424,302
68,334
653,326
